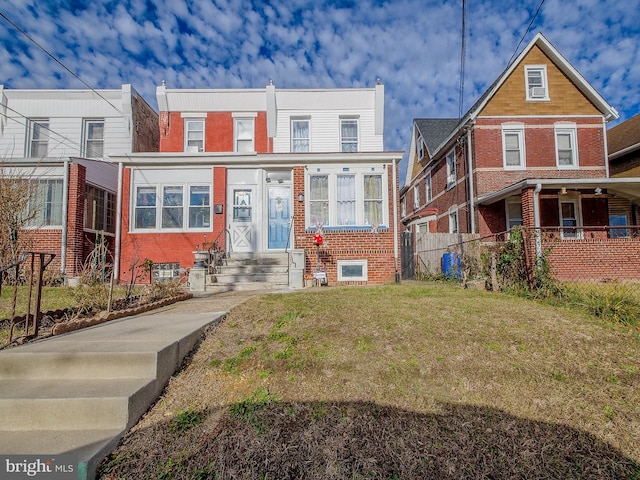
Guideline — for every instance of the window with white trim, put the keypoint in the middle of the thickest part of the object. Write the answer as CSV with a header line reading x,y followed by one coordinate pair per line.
x,y
403,204
38,138
513,153
451,169
348,135
566,146
346,196
300,135
243,135
93,138
428,188
570,217
44,208
416,197
536,82
165,207
193,135
453,221
353,271
421,147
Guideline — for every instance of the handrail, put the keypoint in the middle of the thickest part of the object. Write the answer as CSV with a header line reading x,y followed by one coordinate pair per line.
x,y
217,255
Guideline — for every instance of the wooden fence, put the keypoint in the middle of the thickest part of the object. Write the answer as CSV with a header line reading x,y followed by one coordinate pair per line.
x,y
430,247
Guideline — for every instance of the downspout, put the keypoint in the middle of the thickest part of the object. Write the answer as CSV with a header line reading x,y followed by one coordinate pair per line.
x,y
65,223
472,205
606,147
536,222
395,221
116,266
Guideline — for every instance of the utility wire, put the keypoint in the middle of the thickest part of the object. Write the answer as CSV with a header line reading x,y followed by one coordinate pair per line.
x,y
463,54
50,55
526,32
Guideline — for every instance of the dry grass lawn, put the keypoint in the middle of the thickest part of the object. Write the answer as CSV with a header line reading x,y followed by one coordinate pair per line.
x,y
411,381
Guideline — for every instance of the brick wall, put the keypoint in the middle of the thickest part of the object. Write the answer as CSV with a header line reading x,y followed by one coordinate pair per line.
x,y
377,249
218,132
594,259
146,132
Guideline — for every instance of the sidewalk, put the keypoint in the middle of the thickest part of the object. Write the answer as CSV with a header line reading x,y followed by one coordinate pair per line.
x,y
78,393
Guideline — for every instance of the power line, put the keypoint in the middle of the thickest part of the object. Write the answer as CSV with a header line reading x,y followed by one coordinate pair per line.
x,y
463,54
55,59
526,32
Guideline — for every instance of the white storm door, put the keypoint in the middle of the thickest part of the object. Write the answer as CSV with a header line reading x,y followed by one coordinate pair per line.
x,y
242,218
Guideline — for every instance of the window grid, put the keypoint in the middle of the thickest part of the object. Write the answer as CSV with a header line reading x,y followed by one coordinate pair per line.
x,y
176,212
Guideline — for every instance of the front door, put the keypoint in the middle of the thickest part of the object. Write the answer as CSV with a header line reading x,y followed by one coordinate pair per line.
x,y
279,216
242,219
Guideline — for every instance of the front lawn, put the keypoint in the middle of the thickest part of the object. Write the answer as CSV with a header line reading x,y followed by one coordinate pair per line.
x,y
411,381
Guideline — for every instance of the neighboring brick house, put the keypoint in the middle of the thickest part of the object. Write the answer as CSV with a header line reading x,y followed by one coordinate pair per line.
x,y
261,170
532,151
56,139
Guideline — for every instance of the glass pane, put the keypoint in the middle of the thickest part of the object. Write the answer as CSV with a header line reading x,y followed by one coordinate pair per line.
x,y
145,217
199,217
373,212
535,78
372,186
172,197
199,195
172,217
95,131
511,141
319,186
564,141
319,212
146,196
512,157
353,271
244,129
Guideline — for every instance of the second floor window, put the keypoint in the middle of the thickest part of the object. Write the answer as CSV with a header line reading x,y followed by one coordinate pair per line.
x,y
300,136
566,151
513,148
429,191
416,197
38,138
194,135
243,135
94,138
451,169
348,135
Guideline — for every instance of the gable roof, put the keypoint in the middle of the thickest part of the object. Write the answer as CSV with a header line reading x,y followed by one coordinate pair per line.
x,y
624,137
435,130
565,67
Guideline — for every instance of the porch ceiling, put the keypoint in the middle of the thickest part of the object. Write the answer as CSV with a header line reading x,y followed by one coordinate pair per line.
x,y
624,187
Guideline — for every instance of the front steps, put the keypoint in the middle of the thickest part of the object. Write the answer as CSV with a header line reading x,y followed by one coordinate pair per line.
x,y
251,271
80,392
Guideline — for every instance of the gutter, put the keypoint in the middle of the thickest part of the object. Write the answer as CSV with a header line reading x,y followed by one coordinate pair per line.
x,y
65,223
116,261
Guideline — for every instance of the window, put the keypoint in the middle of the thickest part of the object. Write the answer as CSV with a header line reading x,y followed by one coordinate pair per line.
x,y
453,220
194,135
372,199
44,208
618,220
513,147
346,197
300,136
403,204
451,169
420,147
244,135
199,206
346,201
514,213
145,209
242,205
348,135
93,138
429,191
566,151
172,203
352,270
38,138
319,199
99,207
536,82
416,197
176,211
569,217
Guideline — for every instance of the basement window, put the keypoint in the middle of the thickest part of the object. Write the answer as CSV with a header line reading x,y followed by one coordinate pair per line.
x,y
352,271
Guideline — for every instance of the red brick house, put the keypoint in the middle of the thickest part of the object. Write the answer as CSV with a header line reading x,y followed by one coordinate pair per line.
x,y
57,140
261,171
532,151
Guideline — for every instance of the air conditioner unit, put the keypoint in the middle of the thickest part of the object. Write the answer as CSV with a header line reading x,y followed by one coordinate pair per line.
x,y
538,92
192,148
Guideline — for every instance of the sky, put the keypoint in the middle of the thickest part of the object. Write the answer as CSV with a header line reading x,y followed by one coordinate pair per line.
x,y
412,46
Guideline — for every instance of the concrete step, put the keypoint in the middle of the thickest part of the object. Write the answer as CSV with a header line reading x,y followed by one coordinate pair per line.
x,y
74,404
263,258
220,287
273,278
241,269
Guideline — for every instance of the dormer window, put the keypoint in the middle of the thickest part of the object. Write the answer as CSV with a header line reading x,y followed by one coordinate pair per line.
x,y
420,148
536,79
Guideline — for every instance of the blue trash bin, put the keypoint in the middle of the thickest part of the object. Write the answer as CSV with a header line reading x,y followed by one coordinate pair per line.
x,y
451,266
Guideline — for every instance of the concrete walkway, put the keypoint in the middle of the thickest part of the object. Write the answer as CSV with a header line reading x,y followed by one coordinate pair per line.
x,y
78,393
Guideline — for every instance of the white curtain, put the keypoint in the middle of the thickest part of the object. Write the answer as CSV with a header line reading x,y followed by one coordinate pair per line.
x,y
346,195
